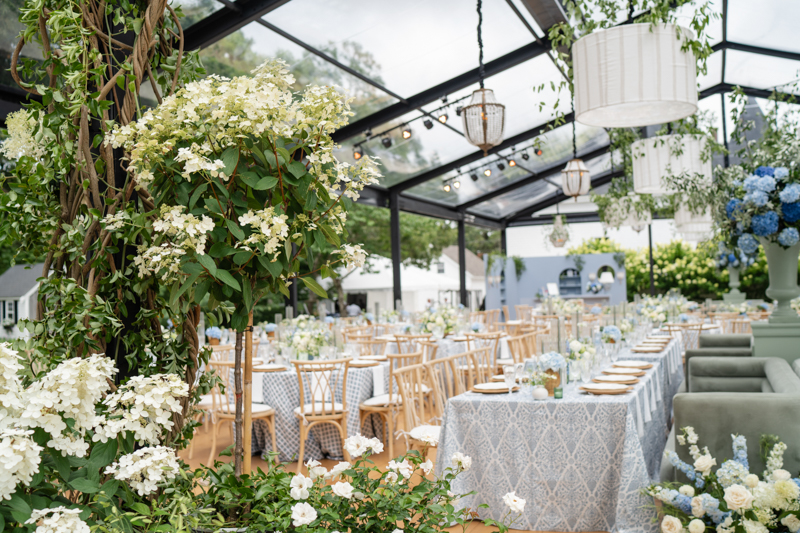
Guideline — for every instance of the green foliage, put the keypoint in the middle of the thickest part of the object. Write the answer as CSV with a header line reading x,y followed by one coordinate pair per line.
x,y
678,265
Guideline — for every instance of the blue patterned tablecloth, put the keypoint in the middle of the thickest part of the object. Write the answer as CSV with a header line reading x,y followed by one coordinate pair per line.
x,y
579,462
281,391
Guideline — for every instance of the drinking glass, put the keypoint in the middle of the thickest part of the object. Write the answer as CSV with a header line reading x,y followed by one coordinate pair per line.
x,y
586,370
438,332
287,354
518,372
326,352
510,376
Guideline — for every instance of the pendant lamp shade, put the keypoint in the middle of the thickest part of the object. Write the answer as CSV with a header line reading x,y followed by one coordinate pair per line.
x,y
666,155
634,75
693,227
575,179
484,120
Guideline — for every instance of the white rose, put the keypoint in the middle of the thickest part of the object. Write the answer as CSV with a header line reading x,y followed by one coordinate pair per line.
x,y
300,485
343,489
315,469
737,497
687,490
337,470
697,507
781,475
751,481
697,526
427,467
303,514
704,464
670,524
391,477
791,522
459,460
514,502
575,346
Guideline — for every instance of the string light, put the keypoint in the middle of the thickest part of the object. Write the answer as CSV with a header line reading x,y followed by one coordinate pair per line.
x,y
473,176
358,152
487,172
512,163
525,156
457,184
443,118
386,142
501,167
407,132
458,110
427,123
446,187
538,151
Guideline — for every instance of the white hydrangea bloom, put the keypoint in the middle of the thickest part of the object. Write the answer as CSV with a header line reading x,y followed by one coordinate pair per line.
x,y
353,255
10,387
71,390
270,230
145,468
21,141
144,405
58,520
19,460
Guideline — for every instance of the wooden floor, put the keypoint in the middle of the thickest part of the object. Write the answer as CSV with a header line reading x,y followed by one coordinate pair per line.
x,y
202,447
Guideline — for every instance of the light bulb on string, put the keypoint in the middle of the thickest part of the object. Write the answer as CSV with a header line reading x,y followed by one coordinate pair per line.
x,y
446,187
501,167
386,142
443,118
512,163
525,156
427,123
407,132
473,177
358,152
457,184
487,172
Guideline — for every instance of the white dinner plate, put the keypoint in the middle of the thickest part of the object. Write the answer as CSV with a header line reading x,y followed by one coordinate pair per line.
x,y
492,387
615,378
606,386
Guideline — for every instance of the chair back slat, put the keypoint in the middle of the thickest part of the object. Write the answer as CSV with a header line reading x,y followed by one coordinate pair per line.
x,y
429,349
326,381
409,380
407,343
371,346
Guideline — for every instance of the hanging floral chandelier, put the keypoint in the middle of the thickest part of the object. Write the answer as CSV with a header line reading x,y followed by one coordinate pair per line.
x,y
484,117
656,158
559,235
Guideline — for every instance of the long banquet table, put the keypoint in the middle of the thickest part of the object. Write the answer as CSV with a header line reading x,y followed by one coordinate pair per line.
x,y
580,462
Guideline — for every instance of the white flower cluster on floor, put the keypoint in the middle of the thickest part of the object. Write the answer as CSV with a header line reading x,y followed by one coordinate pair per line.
x,y
64,403
752,505
144,469
58,520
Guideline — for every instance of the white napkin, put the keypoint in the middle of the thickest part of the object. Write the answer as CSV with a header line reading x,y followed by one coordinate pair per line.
x,y
639,423
378,380
258,388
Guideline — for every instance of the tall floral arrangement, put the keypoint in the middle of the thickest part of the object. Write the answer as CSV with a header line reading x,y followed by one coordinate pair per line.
x,y
730,499
244,181
445,317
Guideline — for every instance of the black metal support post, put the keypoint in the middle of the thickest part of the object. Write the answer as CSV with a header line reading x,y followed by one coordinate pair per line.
x,y
725,131
462,263
503,242
652,278
394,235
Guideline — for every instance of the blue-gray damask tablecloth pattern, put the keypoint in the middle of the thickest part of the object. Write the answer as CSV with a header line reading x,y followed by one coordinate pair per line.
x,y
580,462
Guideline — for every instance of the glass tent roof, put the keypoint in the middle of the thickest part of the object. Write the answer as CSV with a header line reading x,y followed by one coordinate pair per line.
x,y
406,63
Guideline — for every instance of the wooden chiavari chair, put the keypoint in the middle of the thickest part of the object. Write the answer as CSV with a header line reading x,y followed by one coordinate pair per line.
x,y
326,381
371,346
386,405
429,349
410,380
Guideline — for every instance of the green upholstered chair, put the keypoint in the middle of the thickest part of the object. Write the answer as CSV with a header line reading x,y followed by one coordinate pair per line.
x,y
741,396
728,345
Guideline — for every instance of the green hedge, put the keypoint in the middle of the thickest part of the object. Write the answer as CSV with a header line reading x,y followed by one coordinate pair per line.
x,y
678,265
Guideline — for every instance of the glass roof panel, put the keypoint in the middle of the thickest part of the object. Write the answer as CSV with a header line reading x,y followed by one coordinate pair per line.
x,y
685,13
243,50
760,71
409,46
406,158
766,23
556,146
713,75
528,195
196,10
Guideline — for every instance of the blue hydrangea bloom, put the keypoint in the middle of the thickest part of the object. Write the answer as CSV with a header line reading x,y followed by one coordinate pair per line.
x,y
764,171
552,361
733,207
739,228
781,173
766,184
612,332
788,237
766,224
740,450
737,183
751,183
757,198
790,194
686,468
748,244
214,333
791,212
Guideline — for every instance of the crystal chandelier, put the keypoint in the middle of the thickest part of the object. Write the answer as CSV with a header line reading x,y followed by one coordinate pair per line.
x,y
483,118
575,178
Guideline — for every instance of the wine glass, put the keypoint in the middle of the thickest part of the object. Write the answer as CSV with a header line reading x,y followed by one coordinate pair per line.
x,y
586,370
510,376
518,372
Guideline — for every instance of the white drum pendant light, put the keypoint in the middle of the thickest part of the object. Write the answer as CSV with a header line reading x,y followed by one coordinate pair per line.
x,y
654,158
634,75
484,118
693,227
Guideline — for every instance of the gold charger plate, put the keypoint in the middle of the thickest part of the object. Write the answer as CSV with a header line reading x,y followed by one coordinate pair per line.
x,y
486,388
646,349
629,371
623,380
600,392
641,365
498,378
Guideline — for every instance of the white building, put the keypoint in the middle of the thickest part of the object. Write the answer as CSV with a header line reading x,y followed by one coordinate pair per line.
x,y
439,284
18,293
